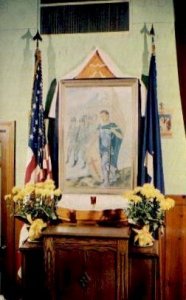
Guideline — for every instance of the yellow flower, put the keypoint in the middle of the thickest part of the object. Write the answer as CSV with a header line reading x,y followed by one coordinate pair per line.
x,y
135,198
160,197
36,229
39,185
57,192
38,192
137,189
143,236
48,192
28,189
16,198
128,194
7,197
15,190
22,194
49,181
50,186
148,191
148,186
167,204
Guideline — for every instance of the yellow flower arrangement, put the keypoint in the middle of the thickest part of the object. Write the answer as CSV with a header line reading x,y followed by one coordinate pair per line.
x,y
37,200
147,206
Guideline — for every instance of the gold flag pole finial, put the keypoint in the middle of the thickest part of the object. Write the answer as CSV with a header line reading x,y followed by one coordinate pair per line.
x,y
152,33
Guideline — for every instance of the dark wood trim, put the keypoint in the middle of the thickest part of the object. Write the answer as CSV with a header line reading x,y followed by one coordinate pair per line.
x,y
7,161
174,260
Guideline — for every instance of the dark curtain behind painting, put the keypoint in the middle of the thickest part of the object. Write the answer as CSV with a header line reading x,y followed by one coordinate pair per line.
x,y
52,134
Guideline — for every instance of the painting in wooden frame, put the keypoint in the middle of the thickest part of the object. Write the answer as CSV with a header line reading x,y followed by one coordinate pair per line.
x,y
98,135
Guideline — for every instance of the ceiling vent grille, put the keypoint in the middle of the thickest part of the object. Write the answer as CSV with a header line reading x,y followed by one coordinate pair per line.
x,y
83,16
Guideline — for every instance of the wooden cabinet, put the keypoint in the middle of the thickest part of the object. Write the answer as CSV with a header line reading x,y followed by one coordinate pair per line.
x,y
146,265
86,262
75,262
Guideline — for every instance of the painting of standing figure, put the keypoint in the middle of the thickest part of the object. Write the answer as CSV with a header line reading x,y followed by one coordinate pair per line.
x,y
98,136
110,139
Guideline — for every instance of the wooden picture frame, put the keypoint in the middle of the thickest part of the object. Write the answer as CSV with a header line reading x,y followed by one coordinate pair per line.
x,y
98,135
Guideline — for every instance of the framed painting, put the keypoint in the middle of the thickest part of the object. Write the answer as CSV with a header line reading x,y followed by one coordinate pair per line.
x,y
165,120
98,135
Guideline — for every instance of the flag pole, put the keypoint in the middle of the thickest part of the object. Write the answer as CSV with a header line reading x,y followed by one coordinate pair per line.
x,y
150,163
152,33
38,167
37,37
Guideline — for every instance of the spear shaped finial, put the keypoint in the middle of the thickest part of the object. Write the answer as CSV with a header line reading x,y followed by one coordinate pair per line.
x,y
152,33
37,38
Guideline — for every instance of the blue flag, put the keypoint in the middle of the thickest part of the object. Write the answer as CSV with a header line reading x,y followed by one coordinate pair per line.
x,y
150,168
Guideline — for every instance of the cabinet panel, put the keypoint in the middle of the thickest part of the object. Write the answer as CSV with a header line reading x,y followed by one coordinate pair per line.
x,y
88,274
144,272
33,275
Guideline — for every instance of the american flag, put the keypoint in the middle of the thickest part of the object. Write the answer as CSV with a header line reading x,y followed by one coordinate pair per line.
x,y
38,166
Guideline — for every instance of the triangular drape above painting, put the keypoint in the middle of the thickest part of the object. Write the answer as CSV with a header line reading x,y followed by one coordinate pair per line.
x,y
95,68
96,65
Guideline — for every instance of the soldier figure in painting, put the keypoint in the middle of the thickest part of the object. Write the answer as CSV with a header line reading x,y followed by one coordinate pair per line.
x,y
72,146
110,139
